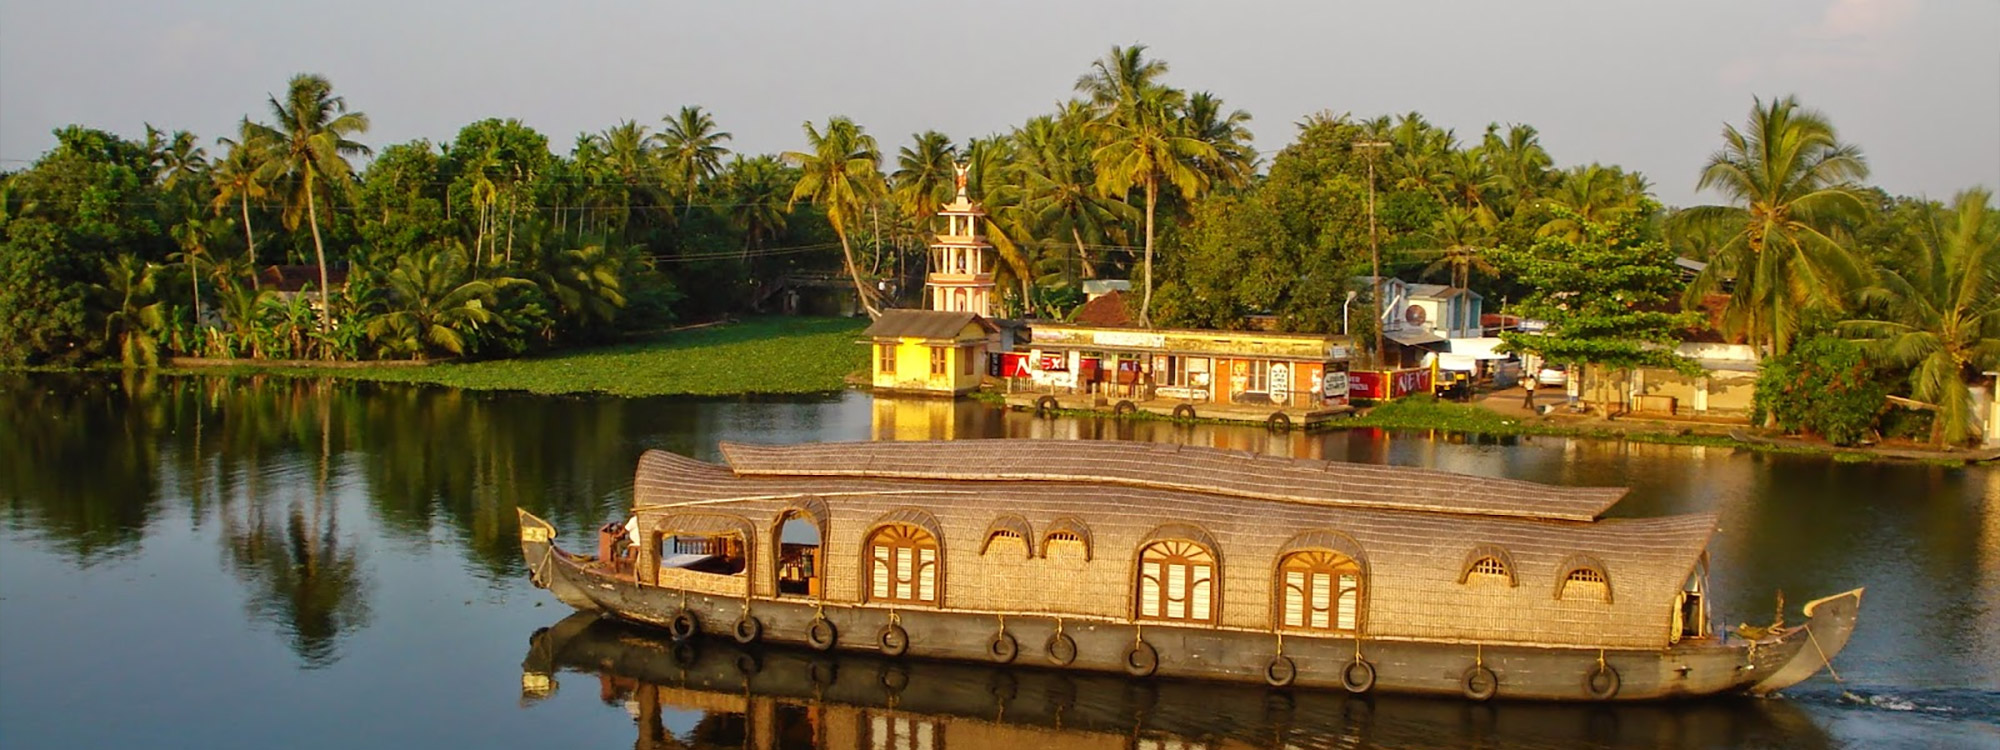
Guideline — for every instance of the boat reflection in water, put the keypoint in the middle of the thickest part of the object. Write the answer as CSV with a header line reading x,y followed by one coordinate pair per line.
x,y
774,698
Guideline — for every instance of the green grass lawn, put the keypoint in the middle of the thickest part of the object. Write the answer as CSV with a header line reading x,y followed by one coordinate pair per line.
x,y
776,355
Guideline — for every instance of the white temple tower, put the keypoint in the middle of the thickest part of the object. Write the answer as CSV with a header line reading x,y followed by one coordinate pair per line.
x,y
960,277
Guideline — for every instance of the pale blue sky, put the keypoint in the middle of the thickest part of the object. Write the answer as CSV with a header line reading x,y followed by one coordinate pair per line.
x,y
1648,85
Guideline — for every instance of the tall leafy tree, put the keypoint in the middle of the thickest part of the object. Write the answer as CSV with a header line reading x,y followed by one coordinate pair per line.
x,y
1143,143
841,172
692,145
1226,132
1060,188
238,178
1792,185
1591,194
311,129
923,177
1461,236
1942,305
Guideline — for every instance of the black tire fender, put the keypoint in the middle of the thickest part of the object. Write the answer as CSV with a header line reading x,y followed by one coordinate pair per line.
x,y
1046,406
1358,676
1003,648
1141,659
1184,411
1061,649
686,624
747,630
1479,683
1280,671
893,640
822,635
1124,408
1278,422
1601,682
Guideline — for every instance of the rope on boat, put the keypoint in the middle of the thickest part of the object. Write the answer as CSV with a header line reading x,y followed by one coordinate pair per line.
x,y
1828,663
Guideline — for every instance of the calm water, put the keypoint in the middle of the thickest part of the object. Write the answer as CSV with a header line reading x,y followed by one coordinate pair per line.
x,y
197,562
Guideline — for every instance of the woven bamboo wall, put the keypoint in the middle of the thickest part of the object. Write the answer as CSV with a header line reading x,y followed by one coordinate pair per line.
x,y
1413,560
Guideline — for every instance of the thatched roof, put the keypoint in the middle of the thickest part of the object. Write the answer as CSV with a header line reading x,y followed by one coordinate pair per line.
x,y
1413,556
1177,467
923,324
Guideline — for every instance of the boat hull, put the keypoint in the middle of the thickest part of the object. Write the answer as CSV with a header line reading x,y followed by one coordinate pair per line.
x,y
1694,668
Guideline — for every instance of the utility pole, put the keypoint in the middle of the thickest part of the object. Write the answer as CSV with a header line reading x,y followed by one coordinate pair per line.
x,y
1369,149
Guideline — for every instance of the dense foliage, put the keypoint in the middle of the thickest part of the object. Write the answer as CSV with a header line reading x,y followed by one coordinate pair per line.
x,y
1824,386
292,238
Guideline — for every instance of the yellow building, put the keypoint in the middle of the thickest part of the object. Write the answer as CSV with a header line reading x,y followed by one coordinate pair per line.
x,y
928,351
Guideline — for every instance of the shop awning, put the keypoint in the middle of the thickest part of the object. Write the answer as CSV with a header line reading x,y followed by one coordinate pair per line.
x,y
1413,338
1480,348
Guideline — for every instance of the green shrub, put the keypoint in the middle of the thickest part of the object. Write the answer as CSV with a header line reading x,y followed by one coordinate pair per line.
x,y
1823,386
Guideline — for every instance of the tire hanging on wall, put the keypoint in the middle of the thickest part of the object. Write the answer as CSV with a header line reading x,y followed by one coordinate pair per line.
x,y
685,625
1184,411
821,634
747,630
1479,683
1280,671
1046,406
1124,409
1141,659
1002,648
893,640
1358,676
1278,422
1061,649
1601,682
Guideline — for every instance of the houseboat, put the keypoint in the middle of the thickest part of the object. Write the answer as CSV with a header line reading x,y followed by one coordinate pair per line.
x,y
1172,561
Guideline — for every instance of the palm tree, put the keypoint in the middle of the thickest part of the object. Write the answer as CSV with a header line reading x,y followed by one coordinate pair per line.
x,y
923,177
1943,307
1519,163
129,292
1592,194
758,191
1054,170
1461,234
841,172
311,146
584,280
1142,143
693,146
237,179
175,158
1793,185
1228,134
435,304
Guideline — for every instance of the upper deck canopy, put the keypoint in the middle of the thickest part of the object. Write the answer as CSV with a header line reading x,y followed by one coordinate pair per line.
x,y
1175,467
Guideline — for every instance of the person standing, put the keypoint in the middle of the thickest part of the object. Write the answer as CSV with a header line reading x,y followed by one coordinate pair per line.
x,y
1528,383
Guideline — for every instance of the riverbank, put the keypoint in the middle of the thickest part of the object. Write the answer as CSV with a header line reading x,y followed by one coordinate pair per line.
x,y
755,356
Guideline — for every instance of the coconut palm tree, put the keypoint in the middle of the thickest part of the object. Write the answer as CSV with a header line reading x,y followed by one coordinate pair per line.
x,y
758,191
1593,194
130,294
841,172
237,179
1942,301
434,304
1460,235
1792,186
692,145
1054,170
923,177
310,149
1228,133
1142,142
1521,167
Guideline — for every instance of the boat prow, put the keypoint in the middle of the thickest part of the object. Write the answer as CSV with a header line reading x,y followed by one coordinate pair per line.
x,y
538,548
1829,623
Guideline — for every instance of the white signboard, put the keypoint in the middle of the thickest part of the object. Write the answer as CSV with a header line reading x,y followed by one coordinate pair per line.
x,y
1281,379
1335,384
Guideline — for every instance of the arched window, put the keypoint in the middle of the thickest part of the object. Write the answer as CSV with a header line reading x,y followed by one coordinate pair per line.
x,y
903,565
1067,538
1176,582
1322,591
1585,584
1488,564
1009,534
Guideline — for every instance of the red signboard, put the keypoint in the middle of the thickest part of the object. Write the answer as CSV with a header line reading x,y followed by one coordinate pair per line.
x,y
1014,365
1370,384
1053,362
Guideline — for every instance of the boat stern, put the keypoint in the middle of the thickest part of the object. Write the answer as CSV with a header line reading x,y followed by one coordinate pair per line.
x,y
1829,623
